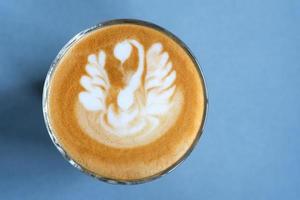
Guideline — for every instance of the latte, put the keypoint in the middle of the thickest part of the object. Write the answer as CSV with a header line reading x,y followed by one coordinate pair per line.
x,y
125,101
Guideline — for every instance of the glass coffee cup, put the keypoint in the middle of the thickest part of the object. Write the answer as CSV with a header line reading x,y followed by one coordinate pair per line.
x,y
125,101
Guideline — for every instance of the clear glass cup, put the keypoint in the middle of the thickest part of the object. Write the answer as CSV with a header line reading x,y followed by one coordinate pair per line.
x,y
46,95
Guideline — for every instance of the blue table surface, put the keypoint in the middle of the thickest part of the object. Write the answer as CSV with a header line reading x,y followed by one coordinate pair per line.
x,y
249,53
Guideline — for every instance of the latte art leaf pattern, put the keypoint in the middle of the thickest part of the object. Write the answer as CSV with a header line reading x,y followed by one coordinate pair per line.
x,y
145,100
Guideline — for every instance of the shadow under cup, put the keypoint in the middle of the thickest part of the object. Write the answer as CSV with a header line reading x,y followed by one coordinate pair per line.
x,y
46,101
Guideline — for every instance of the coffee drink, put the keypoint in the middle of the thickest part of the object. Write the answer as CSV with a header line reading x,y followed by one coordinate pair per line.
x,y
125,101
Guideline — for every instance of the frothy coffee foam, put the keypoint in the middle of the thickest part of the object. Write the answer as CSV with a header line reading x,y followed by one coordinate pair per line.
x,y
126,101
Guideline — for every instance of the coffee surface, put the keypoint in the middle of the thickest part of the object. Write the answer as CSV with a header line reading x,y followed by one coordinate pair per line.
x,y
126,101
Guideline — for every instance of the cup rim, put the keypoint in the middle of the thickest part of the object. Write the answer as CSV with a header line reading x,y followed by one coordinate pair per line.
x,y
50,73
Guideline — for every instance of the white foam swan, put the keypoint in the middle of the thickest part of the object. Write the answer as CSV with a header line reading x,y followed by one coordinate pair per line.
x,y
141,103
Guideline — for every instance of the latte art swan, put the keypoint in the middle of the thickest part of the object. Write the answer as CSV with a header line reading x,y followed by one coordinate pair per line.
x,y
144,104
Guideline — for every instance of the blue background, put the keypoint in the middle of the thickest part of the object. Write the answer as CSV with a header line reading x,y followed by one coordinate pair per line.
x,y
249,52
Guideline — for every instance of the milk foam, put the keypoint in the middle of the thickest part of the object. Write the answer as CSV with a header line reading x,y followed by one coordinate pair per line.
x,y
144,103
